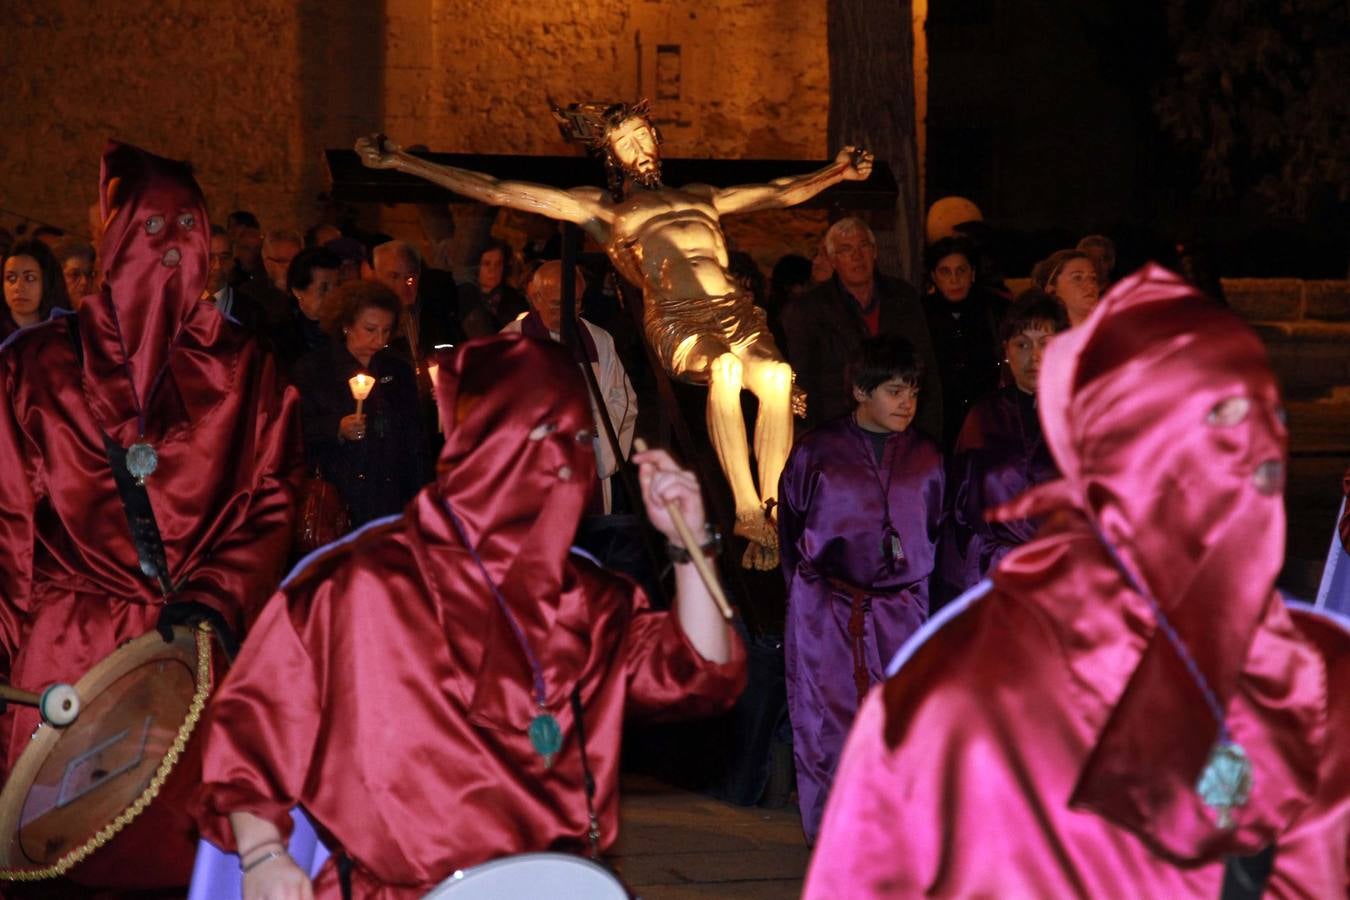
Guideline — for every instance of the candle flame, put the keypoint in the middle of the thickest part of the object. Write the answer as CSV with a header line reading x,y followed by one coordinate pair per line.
x,y
361,383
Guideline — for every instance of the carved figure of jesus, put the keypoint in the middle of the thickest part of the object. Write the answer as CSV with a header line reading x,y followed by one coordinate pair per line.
x,y
668,241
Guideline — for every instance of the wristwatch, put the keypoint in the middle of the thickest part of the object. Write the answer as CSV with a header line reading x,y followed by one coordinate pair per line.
x,y
711,546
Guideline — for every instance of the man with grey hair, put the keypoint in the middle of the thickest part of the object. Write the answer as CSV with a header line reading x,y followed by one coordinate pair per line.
x,y
826,327
423,325
267,296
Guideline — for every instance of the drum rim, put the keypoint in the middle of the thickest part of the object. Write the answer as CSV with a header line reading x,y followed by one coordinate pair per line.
x,y
29,759
474,873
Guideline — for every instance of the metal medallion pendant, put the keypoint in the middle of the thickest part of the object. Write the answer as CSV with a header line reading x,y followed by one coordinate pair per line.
x,y
891,548
142,460
546,736
1225,784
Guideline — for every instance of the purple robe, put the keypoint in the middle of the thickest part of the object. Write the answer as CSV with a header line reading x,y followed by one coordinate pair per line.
x,y
850,605
999,455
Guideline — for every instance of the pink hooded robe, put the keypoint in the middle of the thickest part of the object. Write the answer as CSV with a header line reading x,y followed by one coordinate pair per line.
x,y
1042,738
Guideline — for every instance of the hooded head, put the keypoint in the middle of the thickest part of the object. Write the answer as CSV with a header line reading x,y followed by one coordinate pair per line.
x,y
517,467
155,256
1163,415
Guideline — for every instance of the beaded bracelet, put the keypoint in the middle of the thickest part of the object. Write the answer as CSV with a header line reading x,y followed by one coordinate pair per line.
x,y
269,855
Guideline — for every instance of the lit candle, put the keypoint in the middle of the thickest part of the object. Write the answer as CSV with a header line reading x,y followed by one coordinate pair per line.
x,y
434,369
360,383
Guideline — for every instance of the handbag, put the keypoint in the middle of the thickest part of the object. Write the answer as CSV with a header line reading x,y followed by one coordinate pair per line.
x,y
323,517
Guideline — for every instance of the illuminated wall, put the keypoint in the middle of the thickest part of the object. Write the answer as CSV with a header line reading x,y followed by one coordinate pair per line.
x,y
251,91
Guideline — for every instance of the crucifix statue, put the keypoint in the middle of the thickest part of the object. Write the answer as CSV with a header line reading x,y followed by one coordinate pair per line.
x,y
668,241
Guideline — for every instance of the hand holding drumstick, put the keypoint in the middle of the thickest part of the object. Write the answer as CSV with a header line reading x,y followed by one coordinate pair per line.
x,y
673,501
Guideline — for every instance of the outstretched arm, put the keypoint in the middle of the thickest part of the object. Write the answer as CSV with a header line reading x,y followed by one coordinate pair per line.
x,y
852,164
581,206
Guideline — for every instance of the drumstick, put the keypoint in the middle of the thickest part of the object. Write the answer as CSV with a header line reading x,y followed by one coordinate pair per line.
x,y
58,705
691,544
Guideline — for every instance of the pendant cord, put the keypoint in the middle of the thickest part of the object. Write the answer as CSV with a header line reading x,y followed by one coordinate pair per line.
x,y
535,667
885,489
1173,638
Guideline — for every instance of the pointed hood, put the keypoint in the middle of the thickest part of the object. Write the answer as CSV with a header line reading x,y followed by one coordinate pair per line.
x,y
154,255
1164,417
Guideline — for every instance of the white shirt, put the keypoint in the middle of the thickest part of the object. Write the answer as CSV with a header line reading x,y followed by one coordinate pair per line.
x,y
620,403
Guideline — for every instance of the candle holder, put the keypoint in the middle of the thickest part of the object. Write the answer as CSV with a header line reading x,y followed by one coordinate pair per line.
x,y
360,383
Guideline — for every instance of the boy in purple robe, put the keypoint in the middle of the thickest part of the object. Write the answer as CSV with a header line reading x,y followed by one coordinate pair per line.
x,y
860,508
1000,453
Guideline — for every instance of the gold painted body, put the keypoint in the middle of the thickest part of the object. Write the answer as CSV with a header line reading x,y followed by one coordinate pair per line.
x,y
669,242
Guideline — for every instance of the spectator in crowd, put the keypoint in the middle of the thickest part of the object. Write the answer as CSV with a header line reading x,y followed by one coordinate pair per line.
x,y
1103,252
791,277
219,279
1070,276
351,258
989,275
76,259
963,321
544,322
377,460
245,235
488,305
825,327
423,325
821,268
279,247
742,267
1000,453
860,507
34,286
1129,707
313,275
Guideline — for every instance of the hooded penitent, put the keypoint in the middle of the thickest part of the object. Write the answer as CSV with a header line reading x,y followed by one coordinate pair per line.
x,y
516,473
1165,420
154,255
408,677
153,365
1053,729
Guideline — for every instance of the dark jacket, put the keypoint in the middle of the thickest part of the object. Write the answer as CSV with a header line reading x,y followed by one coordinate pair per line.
x,y
378,475
824,331
435,325
965,343
482,314
299,337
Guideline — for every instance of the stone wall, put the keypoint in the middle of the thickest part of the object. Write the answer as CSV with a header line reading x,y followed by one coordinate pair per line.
x,y
254,90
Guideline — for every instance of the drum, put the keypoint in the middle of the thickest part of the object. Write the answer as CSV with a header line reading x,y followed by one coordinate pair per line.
x,y
79,789
542,876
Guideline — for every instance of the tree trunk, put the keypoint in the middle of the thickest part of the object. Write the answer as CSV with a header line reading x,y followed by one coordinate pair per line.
x,y
871,45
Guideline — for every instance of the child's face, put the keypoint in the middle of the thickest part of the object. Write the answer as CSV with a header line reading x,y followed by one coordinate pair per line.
x,y
889,406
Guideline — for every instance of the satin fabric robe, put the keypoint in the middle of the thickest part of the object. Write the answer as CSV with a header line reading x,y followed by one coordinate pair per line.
x,y
830,527
959,771
359,698
71,589
999,455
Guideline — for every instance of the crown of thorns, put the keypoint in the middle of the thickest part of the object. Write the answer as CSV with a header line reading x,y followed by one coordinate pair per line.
x,y
591,123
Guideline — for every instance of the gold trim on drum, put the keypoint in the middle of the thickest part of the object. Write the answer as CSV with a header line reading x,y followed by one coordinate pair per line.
x,y
105,834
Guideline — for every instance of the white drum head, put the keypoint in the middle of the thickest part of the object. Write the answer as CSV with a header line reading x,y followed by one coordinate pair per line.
x,y
540,876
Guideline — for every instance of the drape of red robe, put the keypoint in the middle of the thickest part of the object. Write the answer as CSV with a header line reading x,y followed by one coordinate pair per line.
x,y
384,690
227,435
1044,738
